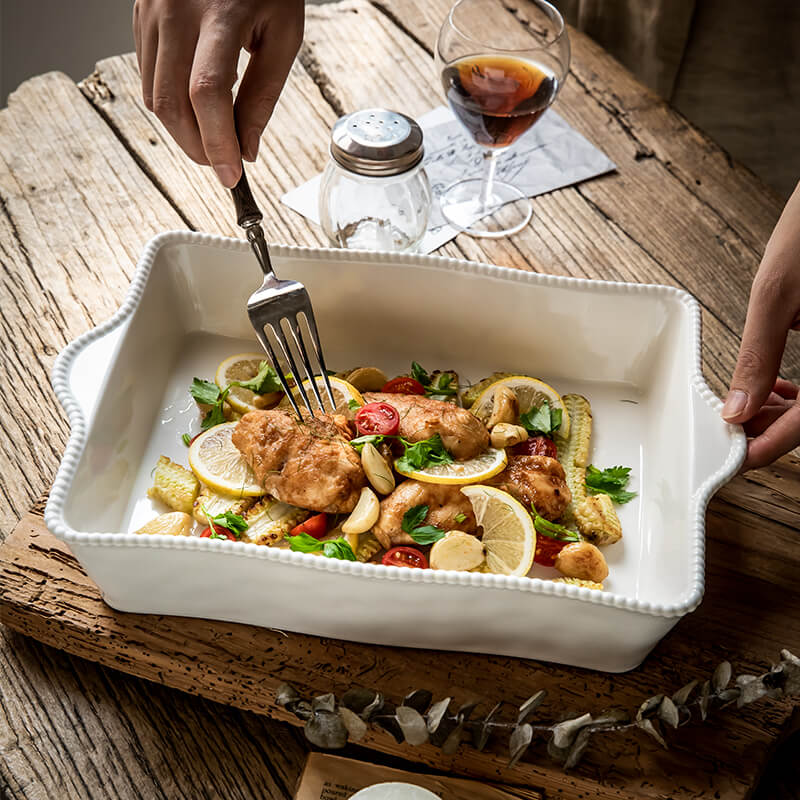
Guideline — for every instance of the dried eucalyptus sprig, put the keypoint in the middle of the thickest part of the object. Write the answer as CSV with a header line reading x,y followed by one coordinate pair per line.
x,y
418,720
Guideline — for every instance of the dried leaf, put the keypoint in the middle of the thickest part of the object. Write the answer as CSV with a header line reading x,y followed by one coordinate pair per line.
x,y
520,740
326,729
649,705
436,713
681,697
668,712
648,726
418,700
391,726
452,742
412,723
610,719
528,708
285,695
356,727
565,732
578,748
324,702
558,754
465,712
751,689
722,676
705,698
481,733
362,701
729,695
790,666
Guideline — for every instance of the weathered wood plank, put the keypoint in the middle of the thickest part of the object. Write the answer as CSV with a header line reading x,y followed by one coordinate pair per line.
x,y
46,595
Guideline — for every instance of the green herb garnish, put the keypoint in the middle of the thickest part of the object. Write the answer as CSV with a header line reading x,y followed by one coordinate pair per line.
x,y
235,523
209,394
460,517
552,529
265,381
332,548
187,440
421,534
438,386
371,438
426,453
611,481
353,405
541,421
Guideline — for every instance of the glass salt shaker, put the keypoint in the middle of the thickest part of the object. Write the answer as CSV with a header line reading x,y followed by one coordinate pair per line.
x,y
374,193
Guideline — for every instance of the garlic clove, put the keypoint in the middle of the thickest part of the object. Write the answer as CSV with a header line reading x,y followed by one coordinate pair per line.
x,y
364,515
377,469
504,434
458,550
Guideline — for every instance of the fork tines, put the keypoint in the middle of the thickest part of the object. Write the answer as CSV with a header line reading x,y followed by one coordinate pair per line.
x,y
289,337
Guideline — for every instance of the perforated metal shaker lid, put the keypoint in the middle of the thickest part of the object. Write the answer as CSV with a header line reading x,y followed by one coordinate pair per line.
x,y
376,142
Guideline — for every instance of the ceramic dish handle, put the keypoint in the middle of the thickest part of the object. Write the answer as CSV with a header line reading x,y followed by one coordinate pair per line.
x,y
724,445
80,371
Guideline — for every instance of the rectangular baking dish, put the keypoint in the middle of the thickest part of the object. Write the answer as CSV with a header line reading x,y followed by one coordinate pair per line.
x,y
633,350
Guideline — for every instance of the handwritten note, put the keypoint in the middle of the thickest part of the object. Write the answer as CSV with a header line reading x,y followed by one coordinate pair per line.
x,y
551,155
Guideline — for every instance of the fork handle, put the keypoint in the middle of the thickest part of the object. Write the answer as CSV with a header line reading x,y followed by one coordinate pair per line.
x,y
249,217
247,212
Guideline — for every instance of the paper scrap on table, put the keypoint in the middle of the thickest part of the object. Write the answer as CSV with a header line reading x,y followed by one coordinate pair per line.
x,y
551,155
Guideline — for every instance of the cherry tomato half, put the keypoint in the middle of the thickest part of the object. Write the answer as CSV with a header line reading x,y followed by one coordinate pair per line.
x,y
537,446
547,549
316,526
405,557
377,418
220,531
404,385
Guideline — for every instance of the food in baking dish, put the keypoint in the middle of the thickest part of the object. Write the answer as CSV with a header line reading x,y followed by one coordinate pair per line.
x,y
413,471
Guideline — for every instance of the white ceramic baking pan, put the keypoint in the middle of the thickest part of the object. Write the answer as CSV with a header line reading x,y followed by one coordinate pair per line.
x,y
633,350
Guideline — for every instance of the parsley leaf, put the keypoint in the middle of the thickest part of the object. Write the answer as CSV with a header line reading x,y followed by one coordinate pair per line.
x,y
541,421
421,534
209,394
204,392
460,517
332,548
187,440
423,454
215,535
611,481
353,404
419,373
235,523
265,381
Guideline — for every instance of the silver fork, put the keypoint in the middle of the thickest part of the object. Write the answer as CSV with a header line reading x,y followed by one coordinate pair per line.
x,y
277,309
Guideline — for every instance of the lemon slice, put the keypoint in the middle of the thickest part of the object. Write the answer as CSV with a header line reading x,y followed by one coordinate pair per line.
x,y
217,462
530,392
343,394
509,537
242,367
477,469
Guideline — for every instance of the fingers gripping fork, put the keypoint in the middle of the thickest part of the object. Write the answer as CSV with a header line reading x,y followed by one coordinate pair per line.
x,y
276,311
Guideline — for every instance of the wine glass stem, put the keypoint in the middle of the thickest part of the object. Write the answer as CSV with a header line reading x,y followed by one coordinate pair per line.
x,y
489,167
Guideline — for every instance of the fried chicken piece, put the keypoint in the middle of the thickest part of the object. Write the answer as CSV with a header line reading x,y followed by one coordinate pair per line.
x,y
308,463
445,503
463,434
535,479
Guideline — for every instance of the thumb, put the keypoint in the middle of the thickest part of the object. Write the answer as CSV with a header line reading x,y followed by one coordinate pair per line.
x,y
759,361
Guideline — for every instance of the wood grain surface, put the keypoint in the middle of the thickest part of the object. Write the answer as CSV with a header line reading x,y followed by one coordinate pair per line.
x,y
87,175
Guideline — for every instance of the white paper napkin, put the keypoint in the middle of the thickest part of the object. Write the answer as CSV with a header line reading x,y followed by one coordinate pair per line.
x,y
551,155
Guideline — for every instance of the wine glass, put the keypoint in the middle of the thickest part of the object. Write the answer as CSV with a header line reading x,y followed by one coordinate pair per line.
x,y
501,68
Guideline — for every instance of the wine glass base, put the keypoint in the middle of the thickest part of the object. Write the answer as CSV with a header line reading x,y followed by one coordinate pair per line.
x,y
504,212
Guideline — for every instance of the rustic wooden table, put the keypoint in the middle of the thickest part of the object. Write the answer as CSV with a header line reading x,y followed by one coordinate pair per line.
x,y
87,175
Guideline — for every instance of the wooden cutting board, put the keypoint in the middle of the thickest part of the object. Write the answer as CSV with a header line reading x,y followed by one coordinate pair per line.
x,y
751,610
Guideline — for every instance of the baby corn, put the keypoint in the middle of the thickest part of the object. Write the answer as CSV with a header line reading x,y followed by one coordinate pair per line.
x,y
268,521
174,485
598,521
573,452
214,504
579,582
